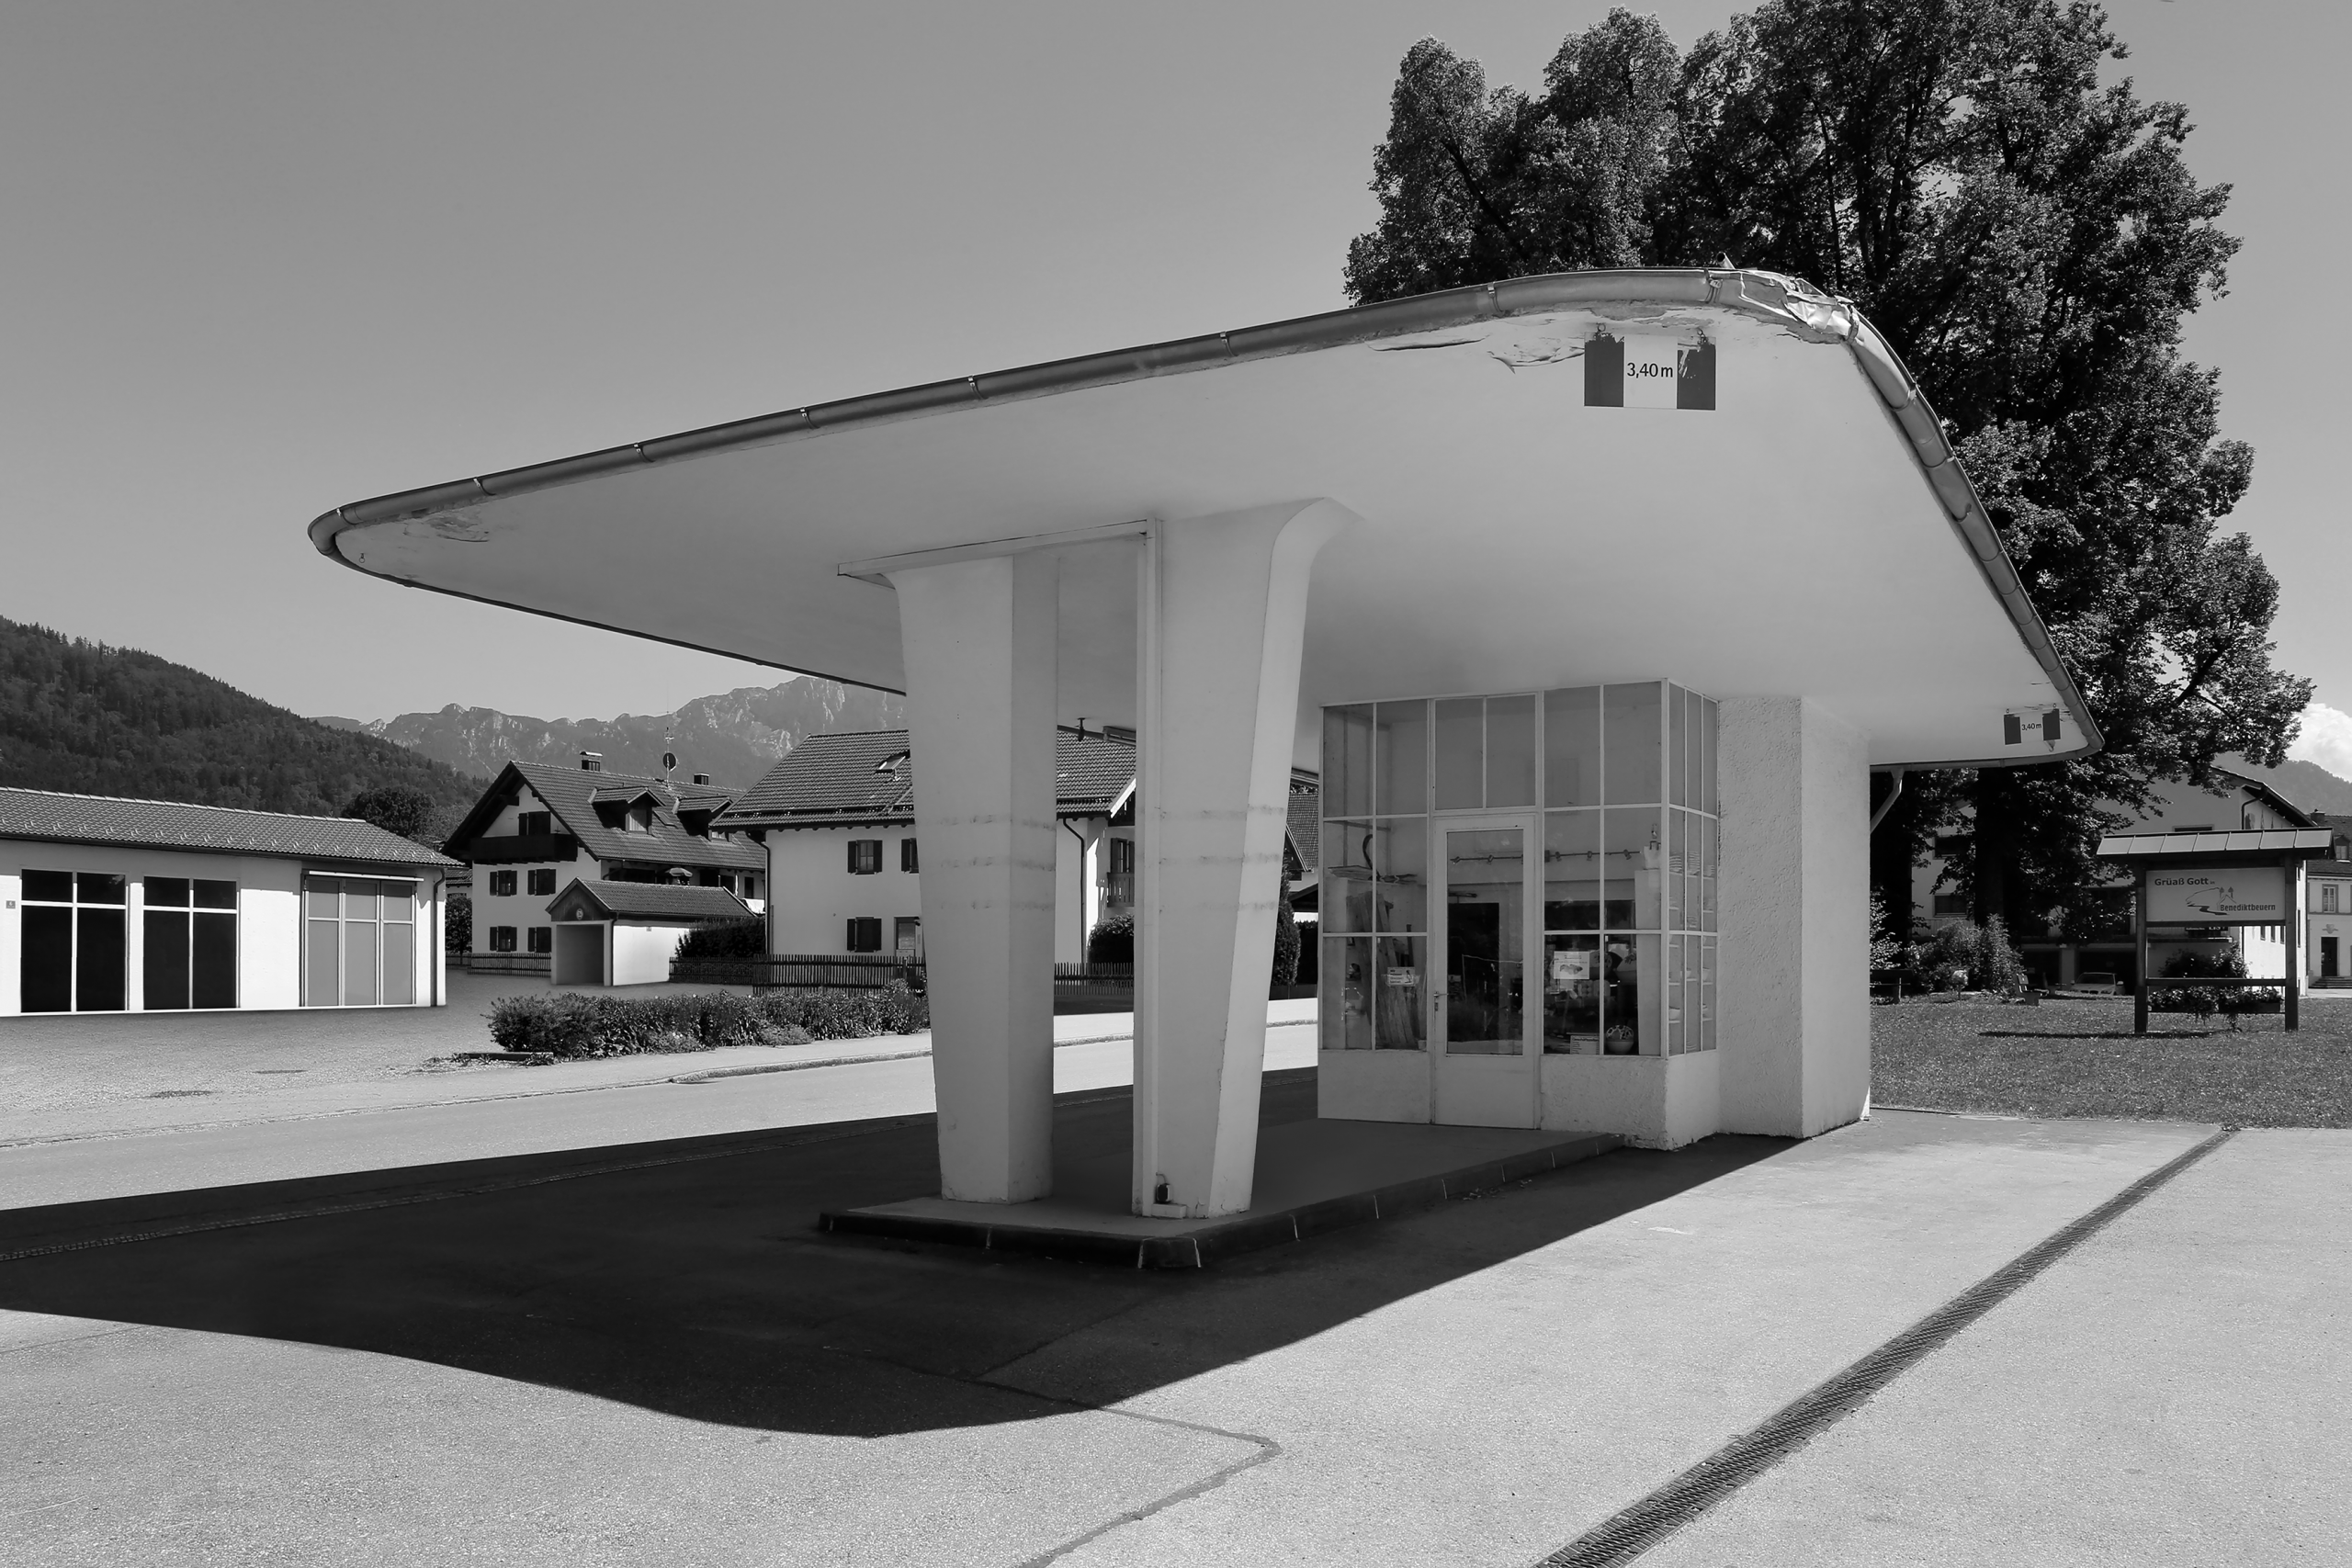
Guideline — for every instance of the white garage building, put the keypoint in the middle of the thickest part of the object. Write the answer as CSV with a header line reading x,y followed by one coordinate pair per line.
x,y
110,905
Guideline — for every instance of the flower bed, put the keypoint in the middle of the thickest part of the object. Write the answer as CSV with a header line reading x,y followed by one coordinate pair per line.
x,y
575,1026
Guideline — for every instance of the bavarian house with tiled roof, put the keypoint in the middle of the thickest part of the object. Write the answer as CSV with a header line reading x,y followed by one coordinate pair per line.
x,y
111,904
539,828
838,820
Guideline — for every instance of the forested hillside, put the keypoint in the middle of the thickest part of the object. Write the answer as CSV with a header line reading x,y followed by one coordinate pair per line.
x,y
91,719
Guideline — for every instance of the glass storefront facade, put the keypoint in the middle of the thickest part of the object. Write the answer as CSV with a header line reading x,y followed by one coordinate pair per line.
x,y
1520,873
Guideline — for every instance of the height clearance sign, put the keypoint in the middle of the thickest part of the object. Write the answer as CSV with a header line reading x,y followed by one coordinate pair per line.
x,y
1644,370
2245,896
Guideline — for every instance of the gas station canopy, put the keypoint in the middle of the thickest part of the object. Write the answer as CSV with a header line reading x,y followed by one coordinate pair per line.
x,y
1719,477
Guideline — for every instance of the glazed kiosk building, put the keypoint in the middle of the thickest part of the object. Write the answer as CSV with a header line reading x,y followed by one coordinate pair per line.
x,y
1595,599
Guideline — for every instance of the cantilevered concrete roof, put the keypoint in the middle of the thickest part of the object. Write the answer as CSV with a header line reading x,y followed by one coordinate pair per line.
x,y
1809,535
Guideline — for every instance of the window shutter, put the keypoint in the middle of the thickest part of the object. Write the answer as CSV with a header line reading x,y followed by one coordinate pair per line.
x,y
852,871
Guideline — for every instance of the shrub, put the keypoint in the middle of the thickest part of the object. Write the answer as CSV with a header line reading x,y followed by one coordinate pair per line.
x,y
2207,1000
1112,941
730,939
580,1025
1285,942
1965,956
457,923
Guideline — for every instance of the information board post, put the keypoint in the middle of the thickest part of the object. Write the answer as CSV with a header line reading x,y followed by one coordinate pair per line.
x,y
2140,947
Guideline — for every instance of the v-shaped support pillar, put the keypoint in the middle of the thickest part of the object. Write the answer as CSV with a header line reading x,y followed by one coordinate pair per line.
x,y
1221,622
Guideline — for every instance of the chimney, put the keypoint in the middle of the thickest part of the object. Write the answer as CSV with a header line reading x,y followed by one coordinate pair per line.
x,y
702,778
592,762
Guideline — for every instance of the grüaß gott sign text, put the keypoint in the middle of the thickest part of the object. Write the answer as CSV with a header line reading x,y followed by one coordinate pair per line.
x,y
2243,895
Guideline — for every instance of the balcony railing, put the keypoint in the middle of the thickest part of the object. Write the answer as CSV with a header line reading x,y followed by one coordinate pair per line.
x,y
1119,888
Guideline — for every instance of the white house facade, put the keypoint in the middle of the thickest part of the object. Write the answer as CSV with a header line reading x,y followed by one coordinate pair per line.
x,y
538,827
110,905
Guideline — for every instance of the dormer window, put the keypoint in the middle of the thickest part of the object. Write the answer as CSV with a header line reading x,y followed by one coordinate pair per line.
x,y
641,817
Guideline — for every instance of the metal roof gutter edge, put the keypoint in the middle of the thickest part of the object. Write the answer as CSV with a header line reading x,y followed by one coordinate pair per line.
x,y
1785,301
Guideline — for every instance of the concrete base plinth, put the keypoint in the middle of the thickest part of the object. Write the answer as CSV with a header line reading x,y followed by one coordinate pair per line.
x,y
1311,1177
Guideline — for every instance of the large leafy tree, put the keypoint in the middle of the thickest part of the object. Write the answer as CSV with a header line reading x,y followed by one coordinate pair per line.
x,y
2031,240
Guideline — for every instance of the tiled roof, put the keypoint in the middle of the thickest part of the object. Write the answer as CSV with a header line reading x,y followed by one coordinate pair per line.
x,y
174,825
655,900
573,794
866,776
1307,827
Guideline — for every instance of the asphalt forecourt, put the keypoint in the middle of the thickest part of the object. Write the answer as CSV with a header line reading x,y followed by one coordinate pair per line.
x,y
648,1353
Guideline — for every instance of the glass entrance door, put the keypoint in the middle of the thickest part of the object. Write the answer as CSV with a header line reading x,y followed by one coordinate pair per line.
x,y
1484,930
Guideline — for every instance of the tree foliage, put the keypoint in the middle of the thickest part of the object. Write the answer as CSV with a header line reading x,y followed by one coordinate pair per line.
x,y
2031,240
397,808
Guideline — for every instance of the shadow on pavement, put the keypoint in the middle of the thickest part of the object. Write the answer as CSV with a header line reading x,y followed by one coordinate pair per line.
x,y
692,1280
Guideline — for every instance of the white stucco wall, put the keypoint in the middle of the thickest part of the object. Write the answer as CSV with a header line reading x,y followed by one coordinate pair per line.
x,y
269,917
813,897
1794,1008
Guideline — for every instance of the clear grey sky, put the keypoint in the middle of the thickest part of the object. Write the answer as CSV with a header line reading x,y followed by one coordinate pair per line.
x,y
264,258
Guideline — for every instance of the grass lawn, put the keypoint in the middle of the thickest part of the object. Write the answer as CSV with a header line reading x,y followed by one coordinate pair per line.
x,y
2080,1058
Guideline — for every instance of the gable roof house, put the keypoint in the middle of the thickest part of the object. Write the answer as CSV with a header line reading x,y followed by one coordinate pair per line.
x,y
838,819
538,829
111,904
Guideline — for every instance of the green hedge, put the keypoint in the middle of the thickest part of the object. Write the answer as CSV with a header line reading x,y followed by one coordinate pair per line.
x,y
576,1025
730,938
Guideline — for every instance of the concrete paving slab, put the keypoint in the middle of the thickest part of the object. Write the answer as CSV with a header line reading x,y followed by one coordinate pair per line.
x,y
582,1370
2174,1393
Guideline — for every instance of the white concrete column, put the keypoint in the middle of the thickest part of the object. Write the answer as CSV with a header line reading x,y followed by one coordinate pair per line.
x,y
979,639
1221,618
1792,1007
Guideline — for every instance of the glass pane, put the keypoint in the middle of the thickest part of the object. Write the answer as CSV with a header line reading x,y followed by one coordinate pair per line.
x,y
1347,994
1708,720
400,903
1510,751
319,895
1347,904
215,894
319,989
1694,765
1400,965
213,961
1400,859
101,887
359,900
1630,856
1572,747
1486,962
1707,994
1694,1005
1461,782
45,954
1677,748
1672,1001
1629,731
48,887
1630,996
359,963
163,962
1708,834
1347,760
1572,871
1572,976
1677,862
1403,750
101,944
167,891
400,964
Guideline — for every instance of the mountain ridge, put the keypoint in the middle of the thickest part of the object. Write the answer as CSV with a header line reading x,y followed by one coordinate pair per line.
x,y
734,736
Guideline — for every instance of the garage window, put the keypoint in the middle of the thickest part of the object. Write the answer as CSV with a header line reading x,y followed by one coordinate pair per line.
x,y
358,943
191,948
75,937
